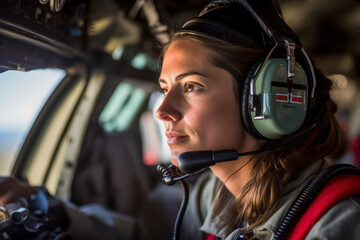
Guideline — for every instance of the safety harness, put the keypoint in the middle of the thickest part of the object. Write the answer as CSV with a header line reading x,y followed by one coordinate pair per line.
x,y
338,188
329,187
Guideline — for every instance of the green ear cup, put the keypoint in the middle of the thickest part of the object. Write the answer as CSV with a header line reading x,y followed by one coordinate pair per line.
x,y
281,105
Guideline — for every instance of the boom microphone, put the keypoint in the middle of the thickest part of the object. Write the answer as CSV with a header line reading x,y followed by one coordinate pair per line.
x,y
189,162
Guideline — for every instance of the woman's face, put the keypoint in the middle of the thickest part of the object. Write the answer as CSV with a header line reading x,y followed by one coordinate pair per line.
x,y
199,109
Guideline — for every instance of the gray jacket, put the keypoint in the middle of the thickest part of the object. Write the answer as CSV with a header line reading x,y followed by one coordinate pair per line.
x,y
342,221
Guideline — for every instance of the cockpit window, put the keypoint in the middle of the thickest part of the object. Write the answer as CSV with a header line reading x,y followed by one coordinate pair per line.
x,y
123,106
22,95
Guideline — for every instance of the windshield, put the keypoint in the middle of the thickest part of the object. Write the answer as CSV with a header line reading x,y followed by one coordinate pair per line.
x,y
22,95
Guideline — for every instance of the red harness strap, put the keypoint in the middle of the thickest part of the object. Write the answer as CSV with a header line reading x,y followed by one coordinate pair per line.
x,y
210,237
337,189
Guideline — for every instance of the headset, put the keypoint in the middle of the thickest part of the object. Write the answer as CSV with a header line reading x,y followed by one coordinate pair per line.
x,y
275,98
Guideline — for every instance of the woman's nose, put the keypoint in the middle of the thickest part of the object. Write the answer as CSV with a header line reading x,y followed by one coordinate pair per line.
x,y
169,109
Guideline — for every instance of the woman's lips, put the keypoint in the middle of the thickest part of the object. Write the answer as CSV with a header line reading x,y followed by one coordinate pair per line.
x,y
175,138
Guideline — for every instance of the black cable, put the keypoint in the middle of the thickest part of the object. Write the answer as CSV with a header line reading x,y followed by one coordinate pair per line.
x,y
182,209
170,177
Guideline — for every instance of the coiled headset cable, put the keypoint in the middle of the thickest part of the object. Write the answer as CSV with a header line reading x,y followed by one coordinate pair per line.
x,y
171,175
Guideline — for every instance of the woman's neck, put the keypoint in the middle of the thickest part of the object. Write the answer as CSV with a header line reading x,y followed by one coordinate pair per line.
x,y
234,174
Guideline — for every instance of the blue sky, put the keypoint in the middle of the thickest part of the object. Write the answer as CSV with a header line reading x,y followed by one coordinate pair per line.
x,y
22,95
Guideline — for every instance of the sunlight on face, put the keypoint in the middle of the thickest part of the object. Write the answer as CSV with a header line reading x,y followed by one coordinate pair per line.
x,y
199,109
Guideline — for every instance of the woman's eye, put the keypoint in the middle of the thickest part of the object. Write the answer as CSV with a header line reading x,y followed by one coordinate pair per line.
x,y
163,90
190,87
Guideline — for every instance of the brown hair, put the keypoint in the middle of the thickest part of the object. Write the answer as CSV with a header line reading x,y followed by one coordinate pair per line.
x,y
272,170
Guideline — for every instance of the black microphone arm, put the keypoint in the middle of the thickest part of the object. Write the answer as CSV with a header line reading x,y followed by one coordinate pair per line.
x,y
190,162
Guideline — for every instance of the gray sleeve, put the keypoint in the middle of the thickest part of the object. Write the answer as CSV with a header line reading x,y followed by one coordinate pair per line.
x,y
94,222
342,221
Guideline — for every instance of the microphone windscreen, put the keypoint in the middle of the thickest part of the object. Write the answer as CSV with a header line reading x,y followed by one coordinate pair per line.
x,y
189,162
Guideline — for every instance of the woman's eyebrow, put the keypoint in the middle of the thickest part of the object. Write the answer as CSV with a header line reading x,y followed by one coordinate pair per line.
x,y
183,75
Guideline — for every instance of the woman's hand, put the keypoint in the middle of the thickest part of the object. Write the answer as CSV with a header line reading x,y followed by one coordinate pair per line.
x,y
11,190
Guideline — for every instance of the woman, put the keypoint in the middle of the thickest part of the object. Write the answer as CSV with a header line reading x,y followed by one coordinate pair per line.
x,y
203,70
203,74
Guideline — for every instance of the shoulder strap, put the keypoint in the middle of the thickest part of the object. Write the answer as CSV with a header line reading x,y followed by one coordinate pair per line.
x,y
337,189
308,195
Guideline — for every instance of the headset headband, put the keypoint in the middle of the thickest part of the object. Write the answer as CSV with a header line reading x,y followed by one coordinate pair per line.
x,y
219,31
270,21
